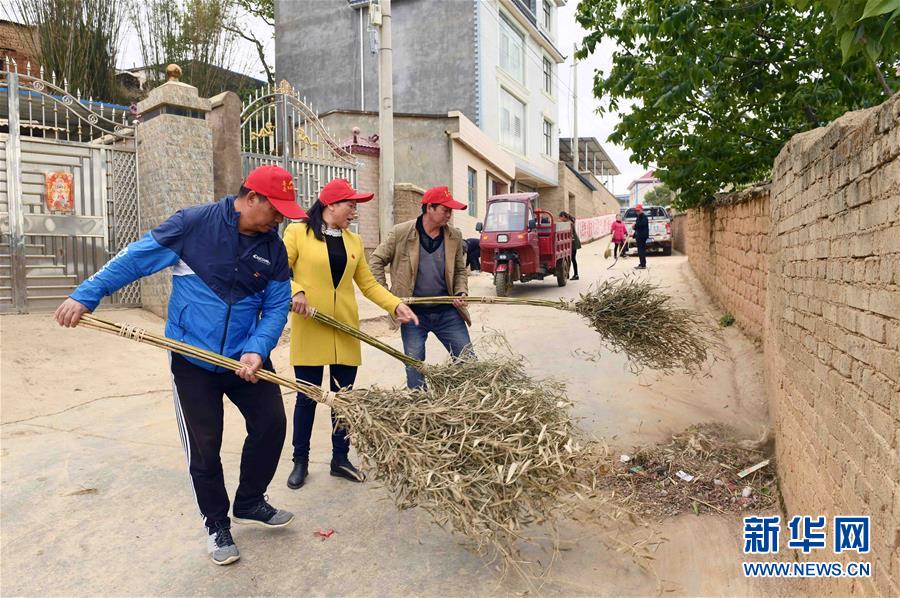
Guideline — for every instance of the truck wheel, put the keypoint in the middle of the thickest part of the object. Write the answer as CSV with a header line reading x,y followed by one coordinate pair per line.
x,y
562,272
502,284
667,250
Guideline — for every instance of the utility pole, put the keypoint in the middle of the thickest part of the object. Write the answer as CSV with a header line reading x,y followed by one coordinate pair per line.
x,y
575,109
380,16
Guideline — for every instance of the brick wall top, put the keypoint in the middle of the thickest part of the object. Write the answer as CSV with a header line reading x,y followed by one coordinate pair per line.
x,y
754,192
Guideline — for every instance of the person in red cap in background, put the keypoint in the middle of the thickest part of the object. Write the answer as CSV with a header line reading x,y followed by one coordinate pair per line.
x,y
426,259
230,286
326,258
641,231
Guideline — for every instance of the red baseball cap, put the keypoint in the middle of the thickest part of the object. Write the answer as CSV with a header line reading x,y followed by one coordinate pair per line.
x,y
442,197
340,190
277,185
639,208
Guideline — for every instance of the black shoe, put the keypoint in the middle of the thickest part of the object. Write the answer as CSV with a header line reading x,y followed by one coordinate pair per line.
x,y
574,277
298,475
639,267
262,513
343,468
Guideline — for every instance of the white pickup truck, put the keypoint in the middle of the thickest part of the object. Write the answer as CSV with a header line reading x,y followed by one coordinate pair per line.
x,y
660,227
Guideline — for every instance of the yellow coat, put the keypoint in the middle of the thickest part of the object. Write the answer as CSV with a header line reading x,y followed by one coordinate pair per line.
x,y
313,343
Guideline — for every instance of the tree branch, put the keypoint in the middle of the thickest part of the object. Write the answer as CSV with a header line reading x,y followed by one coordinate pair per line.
x,y
260,50
884,85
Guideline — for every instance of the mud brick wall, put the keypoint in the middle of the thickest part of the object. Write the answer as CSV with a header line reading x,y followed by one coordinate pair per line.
x,y
727,246
679,232
407,202
833,331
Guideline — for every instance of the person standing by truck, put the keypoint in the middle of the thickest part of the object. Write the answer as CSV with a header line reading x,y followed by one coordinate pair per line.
x,y
576,242
619,233
640,232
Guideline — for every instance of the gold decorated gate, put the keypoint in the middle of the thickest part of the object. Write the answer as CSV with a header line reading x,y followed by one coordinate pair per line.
x,y
278,127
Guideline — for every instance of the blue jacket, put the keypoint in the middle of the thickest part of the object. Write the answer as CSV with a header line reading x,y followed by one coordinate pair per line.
x,y
230,292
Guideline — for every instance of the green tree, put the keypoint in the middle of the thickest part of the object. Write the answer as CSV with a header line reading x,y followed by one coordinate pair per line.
x,y
77,40
191,33
867,26
265,11
710,91
659,195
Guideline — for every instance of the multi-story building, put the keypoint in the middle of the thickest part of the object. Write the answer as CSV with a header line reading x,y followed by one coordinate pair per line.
x,y
639,187
494,62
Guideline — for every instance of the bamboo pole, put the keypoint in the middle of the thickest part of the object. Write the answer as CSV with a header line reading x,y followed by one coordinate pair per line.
x,y
144,336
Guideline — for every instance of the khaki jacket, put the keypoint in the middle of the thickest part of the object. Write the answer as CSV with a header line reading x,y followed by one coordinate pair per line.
x,y
313,343
400,251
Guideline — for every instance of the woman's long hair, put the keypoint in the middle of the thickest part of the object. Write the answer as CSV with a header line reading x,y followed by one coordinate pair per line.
x,y
314,222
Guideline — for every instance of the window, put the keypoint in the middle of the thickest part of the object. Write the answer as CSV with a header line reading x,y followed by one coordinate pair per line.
x,y
505,216
547,13
495,186
473,192
512,50
548,76
512,119
548,138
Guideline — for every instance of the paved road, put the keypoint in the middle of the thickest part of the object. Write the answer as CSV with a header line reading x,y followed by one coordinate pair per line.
x,y
96,500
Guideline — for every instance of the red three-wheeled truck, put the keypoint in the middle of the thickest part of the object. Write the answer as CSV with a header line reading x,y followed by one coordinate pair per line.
x,y
519,242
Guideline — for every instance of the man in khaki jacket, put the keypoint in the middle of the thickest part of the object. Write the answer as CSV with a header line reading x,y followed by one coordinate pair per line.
x,y
426,259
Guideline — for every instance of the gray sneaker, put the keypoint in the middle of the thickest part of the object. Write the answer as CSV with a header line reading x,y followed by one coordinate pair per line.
x,y
220,546
264,514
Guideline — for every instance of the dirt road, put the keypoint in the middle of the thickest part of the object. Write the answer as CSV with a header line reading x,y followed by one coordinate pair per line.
x,y
95,494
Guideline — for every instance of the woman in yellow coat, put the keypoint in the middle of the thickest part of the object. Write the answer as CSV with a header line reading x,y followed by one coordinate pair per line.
x,y
326,259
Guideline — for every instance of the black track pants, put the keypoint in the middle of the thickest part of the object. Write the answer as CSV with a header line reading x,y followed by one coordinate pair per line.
x,y
199,411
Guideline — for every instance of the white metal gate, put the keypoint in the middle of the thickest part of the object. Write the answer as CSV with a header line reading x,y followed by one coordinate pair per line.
x,y
68,190
278,127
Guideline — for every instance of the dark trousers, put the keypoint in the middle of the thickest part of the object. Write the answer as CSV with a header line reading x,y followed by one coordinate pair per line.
x,y
200,411
342,376
619,249
449,328
641,243
574,261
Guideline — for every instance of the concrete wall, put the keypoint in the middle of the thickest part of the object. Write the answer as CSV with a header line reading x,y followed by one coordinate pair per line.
x,y
317,49
597,227
225,123
727,244
831,329
422,152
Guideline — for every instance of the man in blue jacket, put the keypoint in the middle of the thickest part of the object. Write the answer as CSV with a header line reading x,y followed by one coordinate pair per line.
x,y
230,292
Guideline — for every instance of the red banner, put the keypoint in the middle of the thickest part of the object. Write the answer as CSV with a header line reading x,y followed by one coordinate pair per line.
x,y
593,228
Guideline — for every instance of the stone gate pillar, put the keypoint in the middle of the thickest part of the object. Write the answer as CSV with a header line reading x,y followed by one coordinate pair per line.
x,y
175,165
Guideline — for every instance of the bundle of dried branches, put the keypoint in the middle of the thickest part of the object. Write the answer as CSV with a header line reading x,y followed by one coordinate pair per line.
x,y
633,317
485,449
